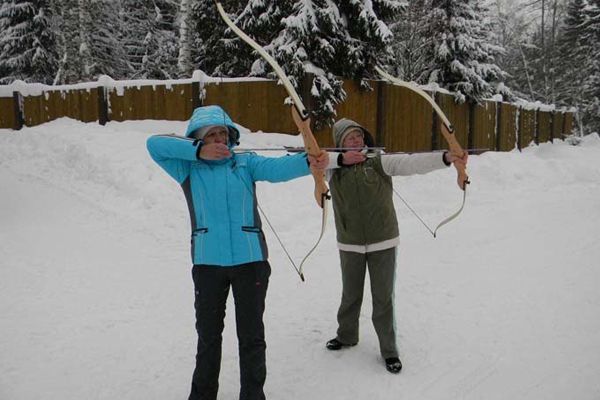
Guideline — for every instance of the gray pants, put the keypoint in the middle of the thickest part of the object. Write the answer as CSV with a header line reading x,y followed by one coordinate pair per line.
x,y
382,267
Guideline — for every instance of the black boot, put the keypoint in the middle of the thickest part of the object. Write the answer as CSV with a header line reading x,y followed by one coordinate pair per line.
x,y
335,344
393,365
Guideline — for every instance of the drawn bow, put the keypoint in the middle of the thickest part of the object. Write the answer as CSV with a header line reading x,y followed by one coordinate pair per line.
x,y
447,132
302,120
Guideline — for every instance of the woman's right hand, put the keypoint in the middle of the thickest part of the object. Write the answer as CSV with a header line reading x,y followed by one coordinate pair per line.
x,y
214,151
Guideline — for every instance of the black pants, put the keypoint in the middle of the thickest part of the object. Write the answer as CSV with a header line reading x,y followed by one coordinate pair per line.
x,y
249,284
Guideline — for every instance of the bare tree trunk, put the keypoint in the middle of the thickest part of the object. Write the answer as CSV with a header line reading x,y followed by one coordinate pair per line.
x,y
184,59
526,67
552,54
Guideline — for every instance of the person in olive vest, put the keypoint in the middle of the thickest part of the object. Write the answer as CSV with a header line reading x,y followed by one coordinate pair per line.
x,y
367,230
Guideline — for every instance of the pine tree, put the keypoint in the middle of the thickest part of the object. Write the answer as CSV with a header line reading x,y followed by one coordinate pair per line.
x,y
411,61
165,65
591,36
28,45
369,36
150,41
263,20
571,75
464,58
70,63
512,34
99,50
330,40
3,29
203,43
541,53
312,41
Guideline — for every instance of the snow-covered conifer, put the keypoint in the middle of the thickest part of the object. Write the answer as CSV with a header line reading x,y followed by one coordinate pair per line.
x,y
330,40
592,87
100,51
263,20
369,37
149,38
411,61
312,41
463,55
70,65
203,43
28,45
573,60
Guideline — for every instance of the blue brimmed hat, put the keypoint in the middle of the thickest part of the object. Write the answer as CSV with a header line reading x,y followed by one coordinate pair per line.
x,y
203,118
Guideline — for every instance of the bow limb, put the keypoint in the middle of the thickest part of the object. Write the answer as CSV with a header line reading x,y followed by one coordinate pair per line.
x,y
321,190
299,113
447,132
301,118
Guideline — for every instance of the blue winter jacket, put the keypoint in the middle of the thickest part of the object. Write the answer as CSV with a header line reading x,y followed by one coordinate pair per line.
x,y
221,196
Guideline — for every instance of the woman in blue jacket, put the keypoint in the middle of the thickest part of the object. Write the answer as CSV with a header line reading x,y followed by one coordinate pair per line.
x,y
228,244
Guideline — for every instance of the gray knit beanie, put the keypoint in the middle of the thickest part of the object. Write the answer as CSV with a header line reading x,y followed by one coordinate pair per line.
x,y
344,126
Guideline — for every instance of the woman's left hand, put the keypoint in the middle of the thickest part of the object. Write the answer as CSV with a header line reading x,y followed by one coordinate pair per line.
x,y
319,162
452,158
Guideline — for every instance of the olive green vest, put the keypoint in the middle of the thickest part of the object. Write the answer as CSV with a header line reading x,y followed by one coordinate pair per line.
x,y
362,203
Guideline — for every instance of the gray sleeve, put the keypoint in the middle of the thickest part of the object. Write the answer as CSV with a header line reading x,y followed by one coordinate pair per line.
x,y
410,164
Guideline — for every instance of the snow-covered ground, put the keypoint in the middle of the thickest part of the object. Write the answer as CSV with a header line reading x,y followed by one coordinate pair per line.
x,y
96,297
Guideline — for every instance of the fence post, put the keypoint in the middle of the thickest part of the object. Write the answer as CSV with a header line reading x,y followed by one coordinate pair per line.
x,y
435,125
103,117
518,127
564,123
471,125
537,127
380,134
552,126
196,100
498,125
18,110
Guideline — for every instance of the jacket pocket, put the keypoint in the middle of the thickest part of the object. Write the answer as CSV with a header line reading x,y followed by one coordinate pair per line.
x,y
254,229
197,235
256,241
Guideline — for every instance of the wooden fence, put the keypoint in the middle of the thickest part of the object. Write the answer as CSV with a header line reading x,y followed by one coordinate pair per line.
x,y
398,118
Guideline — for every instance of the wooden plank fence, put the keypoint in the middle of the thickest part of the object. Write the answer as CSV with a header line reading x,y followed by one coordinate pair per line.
x,y
77,104
8,117
484,125
398,118
173,102
527,123
544,126
458,114
407,120
257,105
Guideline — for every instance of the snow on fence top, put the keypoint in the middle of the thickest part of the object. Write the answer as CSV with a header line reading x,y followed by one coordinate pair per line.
x,y
105,81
